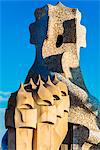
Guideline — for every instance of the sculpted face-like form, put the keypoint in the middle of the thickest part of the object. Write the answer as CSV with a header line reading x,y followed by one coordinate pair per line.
x,y
57,33
57,30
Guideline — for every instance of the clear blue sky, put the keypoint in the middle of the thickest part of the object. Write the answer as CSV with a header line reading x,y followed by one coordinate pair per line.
x,y
17,54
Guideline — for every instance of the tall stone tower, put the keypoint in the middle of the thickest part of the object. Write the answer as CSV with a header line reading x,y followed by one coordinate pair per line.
x,y
53,109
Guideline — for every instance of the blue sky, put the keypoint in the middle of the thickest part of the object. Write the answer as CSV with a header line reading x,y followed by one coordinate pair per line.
x,y
17,54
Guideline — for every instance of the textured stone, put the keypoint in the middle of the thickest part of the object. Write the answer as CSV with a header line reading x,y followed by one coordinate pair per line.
x,y
48,114
38,114
58,36
64,147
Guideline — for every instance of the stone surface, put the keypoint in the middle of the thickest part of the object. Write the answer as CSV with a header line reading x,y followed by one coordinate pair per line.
x,y
58,36
38,117
61,49
64,147
24,139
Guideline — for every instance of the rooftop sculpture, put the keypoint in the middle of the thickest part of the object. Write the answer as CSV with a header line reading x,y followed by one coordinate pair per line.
x,y
53,109
39,119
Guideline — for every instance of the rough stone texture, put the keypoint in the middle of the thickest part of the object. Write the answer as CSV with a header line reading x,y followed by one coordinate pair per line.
x,y
60,49
58,36
63,21
88,146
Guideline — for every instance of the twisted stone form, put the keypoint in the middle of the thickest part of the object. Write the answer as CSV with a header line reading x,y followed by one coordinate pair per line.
x,y
38,118
39,111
